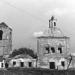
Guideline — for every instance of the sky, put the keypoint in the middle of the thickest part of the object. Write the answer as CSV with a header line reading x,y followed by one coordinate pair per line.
x,y
26,17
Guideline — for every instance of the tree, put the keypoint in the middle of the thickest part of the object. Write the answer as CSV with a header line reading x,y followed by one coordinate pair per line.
x,y
19,51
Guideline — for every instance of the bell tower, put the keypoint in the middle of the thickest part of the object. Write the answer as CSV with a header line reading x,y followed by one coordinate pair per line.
x,y
52,22
5,39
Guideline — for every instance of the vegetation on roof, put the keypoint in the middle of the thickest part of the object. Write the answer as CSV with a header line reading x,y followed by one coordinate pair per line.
x,y
20,51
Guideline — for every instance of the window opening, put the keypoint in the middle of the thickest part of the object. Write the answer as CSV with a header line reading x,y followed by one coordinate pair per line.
x,y
60,49
1,33
30,64
63,63
53,49
2,65
14,63
22,64
54,23
47,49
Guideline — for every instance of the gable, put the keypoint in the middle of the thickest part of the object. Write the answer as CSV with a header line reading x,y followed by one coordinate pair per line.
x,y
4,25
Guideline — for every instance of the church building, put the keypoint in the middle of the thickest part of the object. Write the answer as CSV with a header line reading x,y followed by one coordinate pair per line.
x,y
52,48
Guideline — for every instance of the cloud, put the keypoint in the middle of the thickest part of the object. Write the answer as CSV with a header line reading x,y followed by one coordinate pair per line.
x,y
36,34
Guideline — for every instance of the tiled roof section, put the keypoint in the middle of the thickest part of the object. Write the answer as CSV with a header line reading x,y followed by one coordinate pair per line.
x,y
3,24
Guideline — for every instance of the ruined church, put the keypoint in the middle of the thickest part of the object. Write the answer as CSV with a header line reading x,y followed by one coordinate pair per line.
x,y
52,47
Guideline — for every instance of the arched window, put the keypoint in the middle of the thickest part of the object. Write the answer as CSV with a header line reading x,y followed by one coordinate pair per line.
x,y
1,33
54,23
53,49
47,49
60,49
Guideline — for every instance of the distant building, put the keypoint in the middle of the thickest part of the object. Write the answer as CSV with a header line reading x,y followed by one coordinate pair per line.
x,y
52,48
23,61
5,39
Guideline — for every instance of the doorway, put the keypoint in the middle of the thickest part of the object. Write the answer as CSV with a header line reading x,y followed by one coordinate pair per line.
x,y
52,65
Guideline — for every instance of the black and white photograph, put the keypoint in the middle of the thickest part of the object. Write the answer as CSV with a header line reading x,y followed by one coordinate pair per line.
x,y
37,37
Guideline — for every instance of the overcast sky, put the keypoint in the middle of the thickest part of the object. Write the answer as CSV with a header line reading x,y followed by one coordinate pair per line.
x,y
28,16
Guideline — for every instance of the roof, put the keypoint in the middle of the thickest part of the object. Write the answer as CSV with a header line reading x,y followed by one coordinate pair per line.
x,y
23,56
52,33
19,57
3,24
